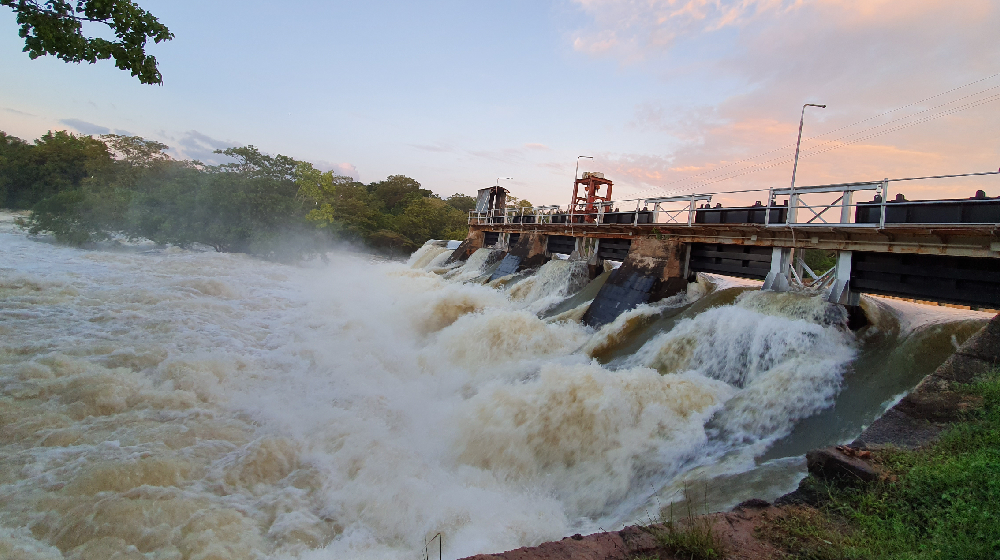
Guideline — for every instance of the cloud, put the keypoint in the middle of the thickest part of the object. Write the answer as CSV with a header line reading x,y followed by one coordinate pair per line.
x,y
534,146
197,146
632,30
16,112
344,169
193,137
85,127
438,148
504,155
750,65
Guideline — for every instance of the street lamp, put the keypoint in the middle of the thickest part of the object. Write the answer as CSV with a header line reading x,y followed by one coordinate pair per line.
x,y
505,179
795,166
576,174
793,200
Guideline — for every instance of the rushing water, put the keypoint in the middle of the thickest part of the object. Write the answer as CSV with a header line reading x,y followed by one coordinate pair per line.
x,y
172,404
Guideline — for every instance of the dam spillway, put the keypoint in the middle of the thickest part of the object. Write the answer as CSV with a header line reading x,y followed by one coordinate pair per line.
x,y
176,402
935,250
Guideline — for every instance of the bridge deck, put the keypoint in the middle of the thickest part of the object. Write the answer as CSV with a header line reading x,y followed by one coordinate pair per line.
x,y
972,240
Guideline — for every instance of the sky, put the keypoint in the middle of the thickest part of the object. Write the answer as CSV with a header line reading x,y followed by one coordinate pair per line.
x,y
667,96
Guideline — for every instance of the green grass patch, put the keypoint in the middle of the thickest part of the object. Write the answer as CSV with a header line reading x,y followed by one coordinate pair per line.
x,y
807,533
941,502
692,538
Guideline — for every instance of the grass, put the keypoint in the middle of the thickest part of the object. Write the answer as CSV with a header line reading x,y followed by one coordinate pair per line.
x,y
690,539
942,501
807,533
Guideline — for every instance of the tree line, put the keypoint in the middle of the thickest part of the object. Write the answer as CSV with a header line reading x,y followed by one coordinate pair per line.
x,y
84,189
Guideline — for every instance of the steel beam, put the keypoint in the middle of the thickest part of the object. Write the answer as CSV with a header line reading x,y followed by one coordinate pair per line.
x,y
950,240
777,279
841,290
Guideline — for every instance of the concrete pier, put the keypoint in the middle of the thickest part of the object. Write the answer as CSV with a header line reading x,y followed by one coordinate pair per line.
x,y
945,263
654,269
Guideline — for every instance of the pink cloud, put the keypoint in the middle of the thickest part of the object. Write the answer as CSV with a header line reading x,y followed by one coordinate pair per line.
x,y
860,57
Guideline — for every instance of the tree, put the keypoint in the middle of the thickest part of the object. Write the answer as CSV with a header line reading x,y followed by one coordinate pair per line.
x,y
57,161
340,204
15,171
85,188
462,202
246,205
397,191
55,27
431,218
518,203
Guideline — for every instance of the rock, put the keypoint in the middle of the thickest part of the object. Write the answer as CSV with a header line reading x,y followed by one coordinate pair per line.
x,y
984,345
832,463
753,503
963,368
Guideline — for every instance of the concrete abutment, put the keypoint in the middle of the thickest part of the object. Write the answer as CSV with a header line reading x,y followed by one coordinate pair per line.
x,y
654,269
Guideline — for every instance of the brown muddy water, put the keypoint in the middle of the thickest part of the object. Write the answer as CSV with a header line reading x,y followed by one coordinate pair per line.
x,y
177,404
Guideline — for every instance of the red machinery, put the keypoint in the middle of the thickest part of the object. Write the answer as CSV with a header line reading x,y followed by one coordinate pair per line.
x,y
592,199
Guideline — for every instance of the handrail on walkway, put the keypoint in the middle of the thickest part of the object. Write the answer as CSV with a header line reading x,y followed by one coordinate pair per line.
x,y
793,211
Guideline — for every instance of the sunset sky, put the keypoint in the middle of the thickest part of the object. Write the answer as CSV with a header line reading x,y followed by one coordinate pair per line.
x,y
667,95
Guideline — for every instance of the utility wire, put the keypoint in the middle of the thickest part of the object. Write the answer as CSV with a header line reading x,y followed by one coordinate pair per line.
x,y
785,160
716,169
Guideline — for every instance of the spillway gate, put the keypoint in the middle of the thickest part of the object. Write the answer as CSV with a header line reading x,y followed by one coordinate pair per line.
x,y
935,250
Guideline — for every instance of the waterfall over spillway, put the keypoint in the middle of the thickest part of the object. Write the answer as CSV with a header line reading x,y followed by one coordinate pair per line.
x,y
184,404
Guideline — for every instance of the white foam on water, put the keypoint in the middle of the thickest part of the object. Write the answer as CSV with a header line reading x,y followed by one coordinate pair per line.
x,y
615,332
553,282
181,404
428,254
475,265
785,353
907,317
581,432
194,404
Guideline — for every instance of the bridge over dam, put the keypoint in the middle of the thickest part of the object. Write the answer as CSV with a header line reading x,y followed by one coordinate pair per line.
x,y
944,251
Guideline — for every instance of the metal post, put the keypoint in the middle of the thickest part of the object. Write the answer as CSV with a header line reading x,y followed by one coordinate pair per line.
x,y
841,290
770,203
777,277
799,141
885,196
691,211
845,207
576,175
795,166
793,204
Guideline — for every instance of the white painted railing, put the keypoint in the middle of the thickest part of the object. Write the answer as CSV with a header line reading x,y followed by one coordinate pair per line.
x,y
801,207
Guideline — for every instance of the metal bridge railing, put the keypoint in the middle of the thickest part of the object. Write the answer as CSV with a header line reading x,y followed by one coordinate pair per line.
x,y
802,207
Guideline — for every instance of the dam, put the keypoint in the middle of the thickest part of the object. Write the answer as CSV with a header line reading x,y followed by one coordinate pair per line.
x,y
934,250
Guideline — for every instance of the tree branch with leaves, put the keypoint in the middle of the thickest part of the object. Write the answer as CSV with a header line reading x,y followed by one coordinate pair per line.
x,y
55,27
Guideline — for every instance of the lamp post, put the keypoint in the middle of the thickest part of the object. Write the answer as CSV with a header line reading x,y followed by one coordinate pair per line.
x,y
802,119
576,175
496,204
793,199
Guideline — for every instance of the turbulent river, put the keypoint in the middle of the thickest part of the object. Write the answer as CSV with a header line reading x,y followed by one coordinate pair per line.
x,y
174,404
